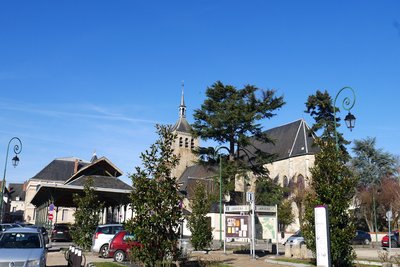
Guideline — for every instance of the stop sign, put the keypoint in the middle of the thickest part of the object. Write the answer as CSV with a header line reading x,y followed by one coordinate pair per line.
x,y
50,216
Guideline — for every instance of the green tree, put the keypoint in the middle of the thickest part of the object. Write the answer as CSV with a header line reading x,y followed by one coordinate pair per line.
x,y
332,183
320,107
156,203
232,117
198,222
371,165
87,213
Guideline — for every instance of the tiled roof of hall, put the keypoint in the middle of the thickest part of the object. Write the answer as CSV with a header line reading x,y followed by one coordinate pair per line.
x,y
60,169
290,140
101,181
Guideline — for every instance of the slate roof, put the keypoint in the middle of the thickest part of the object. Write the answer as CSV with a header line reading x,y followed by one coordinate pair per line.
x,y
17,191
182,126
194,174
290,140
60,169
101,182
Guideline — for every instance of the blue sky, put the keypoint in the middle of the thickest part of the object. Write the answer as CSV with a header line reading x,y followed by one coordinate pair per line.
x,y
84,76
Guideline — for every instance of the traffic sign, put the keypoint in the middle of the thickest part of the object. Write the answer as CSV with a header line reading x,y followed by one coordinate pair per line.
x,y
266,208
50,216
389,215
249,197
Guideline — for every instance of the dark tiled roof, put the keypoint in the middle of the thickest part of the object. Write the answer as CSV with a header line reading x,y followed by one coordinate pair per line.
x,y
182,126
17,191
197,173
102,182
291,140
59,169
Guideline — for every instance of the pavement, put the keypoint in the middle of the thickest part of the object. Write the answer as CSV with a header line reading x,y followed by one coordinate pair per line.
x,y
55,257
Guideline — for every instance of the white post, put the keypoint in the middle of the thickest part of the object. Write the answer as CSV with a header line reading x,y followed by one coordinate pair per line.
x,y
253,227
277,229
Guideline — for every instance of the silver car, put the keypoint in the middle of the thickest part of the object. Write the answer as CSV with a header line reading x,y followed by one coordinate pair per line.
x,y
22,247
296,239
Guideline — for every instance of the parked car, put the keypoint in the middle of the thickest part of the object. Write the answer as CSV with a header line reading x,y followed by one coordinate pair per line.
x,y
60,232
102,237
295,239
394,236
5,226
42,230
22,247
120,245
362,238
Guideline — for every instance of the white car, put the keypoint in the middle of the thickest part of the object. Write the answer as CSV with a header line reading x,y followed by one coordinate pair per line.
x,y
23,247
102,236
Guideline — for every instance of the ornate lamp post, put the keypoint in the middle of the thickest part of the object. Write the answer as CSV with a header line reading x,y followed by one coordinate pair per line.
x,y
15,161
347,104
220,188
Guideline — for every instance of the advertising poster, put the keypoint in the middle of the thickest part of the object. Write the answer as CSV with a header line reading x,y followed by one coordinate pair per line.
x,y
237,226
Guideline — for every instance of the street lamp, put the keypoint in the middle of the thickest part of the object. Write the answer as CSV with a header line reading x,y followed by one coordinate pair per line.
x,y
15,161
347,104
220,188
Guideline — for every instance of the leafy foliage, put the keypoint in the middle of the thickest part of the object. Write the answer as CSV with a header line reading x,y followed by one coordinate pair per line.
x,y
377,171
320,107
332,183
86,216
156,203
198,222
270,193
232,116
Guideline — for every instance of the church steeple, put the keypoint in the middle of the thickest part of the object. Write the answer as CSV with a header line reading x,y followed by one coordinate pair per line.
x,y
182,107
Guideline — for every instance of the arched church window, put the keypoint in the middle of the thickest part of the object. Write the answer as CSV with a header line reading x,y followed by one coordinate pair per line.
x,y
285,182
192,143
180,142
186,142
300,181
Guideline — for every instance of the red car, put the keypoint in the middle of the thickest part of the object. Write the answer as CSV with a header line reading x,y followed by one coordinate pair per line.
x,y
395,241
120,245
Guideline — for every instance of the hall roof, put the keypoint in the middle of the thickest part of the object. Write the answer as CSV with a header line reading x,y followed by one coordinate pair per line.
x,y
60,169
111,190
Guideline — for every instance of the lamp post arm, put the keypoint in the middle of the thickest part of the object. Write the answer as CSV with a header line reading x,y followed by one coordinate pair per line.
x,y
347,104
17,150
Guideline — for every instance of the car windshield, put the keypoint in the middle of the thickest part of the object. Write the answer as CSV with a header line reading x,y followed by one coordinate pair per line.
x,y
20,240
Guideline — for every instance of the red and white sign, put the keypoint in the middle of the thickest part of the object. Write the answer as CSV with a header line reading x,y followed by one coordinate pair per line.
x,y
50,216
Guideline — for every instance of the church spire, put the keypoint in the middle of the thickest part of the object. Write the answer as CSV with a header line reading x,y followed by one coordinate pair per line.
x,y
182,107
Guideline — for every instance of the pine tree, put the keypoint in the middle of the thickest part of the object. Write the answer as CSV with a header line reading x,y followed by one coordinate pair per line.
x,y
156,203
198,222
88,209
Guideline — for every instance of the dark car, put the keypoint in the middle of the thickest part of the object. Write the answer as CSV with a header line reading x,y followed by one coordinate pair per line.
x,y
120,245
5,226
362,237
60,232
394,237
43,230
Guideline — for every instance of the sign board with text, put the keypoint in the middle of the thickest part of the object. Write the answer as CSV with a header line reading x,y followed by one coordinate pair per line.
x,y
237,226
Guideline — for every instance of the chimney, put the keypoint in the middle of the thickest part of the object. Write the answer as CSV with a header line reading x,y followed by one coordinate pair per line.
x,y
24,185
76,166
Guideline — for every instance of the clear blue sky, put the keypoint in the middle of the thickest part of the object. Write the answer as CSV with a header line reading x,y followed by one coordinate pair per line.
x,y
79,76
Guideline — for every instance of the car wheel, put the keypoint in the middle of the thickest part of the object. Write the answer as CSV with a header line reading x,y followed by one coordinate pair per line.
x,y
367,242
119,256
104,251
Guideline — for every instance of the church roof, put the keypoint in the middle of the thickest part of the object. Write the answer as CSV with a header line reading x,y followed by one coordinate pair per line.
x,y
60,169
182,126
290,140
